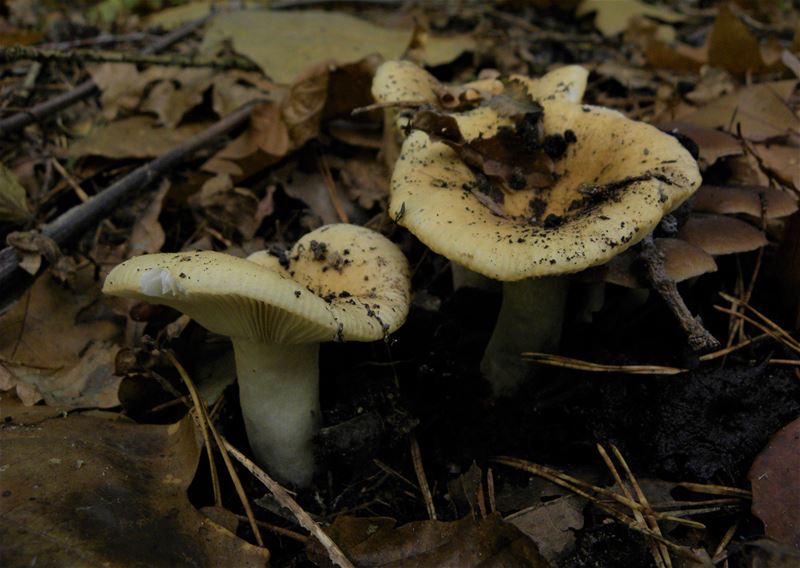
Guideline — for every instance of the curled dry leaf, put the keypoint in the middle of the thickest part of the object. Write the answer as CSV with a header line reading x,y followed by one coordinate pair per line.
x,y
88,491
51,348
614,17
776,486
466,543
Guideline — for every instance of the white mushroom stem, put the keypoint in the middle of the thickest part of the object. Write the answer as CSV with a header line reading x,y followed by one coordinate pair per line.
x,y
463,277
279,394
530,319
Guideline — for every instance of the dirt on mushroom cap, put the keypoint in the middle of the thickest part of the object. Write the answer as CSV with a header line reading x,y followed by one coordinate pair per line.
x,y
306,300
632,174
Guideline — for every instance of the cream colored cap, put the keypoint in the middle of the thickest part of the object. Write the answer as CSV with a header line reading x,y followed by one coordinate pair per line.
x,y
636,172
341,282
403,81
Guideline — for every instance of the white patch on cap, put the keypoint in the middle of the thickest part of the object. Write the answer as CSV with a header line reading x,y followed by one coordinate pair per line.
x,y
159,282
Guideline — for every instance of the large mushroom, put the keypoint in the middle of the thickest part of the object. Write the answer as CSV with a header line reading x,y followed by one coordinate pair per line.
x,y
612,185
338,283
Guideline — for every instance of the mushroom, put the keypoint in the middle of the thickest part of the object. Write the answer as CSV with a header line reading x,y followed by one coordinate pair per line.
x,y
403,81
338,283
612,187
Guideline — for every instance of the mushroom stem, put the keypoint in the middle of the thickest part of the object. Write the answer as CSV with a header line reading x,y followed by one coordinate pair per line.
x,y
463,277
530,319
279,395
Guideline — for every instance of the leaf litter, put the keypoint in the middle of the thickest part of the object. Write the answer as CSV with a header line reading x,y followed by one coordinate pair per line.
x,y
723,76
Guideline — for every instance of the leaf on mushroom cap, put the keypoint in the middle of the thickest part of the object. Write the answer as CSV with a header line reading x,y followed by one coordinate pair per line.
x,y
744,199
718,234
403,81
615,183
341,282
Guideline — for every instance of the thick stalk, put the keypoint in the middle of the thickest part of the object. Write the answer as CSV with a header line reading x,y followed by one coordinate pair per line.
x,y
463,277
530,319
279,394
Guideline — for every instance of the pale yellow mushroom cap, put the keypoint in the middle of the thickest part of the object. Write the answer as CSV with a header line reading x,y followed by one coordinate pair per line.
x,y
341,282
403,81
429,196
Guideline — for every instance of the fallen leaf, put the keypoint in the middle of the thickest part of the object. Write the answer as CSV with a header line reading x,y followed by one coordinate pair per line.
x,y
732,46
761,111
552,525
13,200
172,98
782,161
174,16
612,18
713,144
52,348
234,90
366,181
135,137
147,235
87,491
311,190
466,543
776,485
272,41
230,208
122,85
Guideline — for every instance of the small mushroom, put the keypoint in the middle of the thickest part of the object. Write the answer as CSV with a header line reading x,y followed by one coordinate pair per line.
x,y
612,186
682,261
744,199
338,283
720,234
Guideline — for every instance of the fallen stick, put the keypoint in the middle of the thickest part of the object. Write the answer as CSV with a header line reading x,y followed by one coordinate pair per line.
x,y
74,222
21,52
36,113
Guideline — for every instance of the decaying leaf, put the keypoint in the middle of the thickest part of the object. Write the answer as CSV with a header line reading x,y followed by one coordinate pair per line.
x,y
88,491
552,525
732,46
13,200
171,98
760,111
52,346
135,137
713,144
469,542
272,41
613,17
776,485
147,235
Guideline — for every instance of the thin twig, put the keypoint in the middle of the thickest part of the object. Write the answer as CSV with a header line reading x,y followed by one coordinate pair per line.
x,y
95,41
88,87
283,498
76,221
200,407
21,52
728,350
562,479
774,334
656,550
201,419
416,457
785,334
288,533
699,337
581,365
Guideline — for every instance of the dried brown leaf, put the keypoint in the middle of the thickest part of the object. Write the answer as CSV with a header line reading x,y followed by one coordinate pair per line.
x,y
776,485
760,111
87,491
373,542
134,137
51,346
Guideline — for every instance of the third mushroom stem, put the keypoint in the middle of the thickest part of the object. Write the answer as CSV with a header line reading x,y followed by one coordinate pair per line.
x,y
530,319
